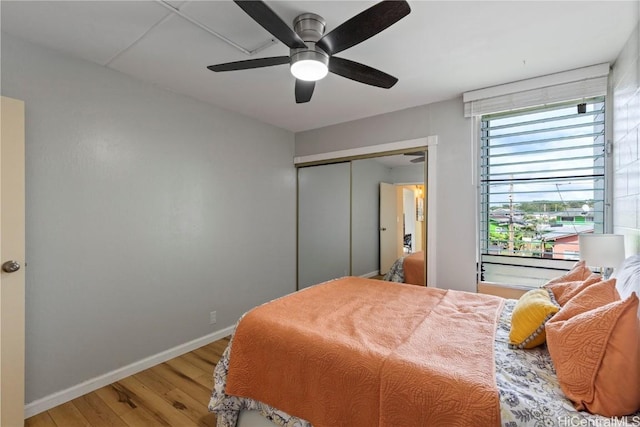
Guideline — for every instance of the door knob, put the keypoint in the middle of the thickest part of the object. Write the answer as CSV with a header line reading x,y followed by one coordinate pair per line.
x,y
383,229
11,266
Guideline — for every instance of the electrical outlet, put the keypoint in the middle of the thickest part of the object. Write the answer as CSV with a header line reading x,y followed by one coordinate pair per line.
x,y
212,317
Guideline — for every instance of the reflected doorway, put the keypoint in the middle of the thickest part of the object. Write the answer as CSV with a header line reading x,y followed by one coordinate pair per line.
x,y
402,208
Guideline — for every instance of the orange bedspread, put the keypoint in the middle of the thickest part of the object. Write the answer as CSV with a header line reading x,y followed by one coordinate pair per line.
x,y
413,267
361,352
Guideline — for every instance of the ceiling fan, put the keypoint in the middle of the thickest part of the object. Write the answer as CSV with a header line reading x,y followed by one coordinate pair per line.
x,y
419,156
311,51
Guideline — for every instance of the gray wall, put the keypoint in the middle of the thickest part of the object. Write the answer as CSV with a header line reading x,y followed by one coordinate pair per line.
x,y
366,176
456,194
145,211
409,174
625,85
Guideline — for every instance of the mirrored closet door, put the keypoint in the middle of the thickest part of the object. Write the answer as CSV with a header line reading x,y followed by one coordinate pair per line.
x,y
346,224
324,226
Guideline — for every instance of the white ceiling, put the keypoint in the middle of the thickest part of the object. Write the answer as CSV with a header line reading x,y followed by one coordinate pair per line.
x,y
440,50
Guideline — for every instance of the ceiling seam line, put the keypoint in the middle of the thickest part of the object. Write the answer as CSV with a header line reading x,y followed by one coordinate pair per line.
x,y
200,25
135,42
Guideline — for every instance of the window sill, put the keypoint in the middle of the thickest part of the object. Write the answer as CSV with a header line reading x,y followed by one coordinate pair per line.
x,y
502,290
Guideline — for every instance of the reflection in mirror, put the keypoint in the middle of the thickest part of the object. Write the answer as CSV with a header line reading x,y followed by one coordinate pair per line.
x,y
388,211
366,176
412,218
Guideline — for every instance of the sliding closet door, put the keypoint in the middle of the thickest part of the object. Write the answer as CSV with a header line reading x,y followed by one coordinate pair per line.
x,y
324,194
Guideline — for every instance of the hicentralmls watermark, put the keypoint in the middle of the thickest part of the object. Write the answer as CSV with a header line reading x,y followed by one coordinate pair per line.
x,y
578,421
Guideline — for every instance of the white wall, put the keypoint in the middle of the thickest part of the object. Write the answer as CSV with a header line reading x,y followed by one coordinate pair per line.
x,y
625,85
456,196
410,214
145,211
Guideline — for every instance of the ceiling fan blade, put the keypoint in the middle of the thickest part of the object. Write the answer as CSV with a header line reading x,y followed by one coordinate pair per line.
x,y
304,90
417,160
265,16
250,63
363,26
361,73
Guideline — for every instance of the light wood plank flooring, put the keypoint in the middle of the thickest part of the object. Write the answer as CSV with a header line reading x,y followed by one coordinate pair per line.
x,y
175,394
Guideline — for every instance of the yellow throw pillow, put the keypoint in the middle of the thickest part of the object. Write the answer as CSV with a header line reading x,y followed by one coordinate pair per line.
x,y
530,314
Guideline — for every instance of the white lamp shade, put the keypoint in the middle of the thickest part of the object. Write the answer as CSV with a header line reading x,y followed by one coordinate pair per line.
x,y
602,250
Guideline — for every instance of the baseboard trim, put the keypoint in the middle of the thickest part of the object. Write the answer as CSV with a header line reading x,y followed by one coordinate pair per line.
x,y
63,396
371,274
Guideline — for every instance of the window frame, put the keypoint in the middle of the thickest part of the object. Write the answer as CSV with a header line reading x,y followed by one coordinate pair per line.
x,y
532,271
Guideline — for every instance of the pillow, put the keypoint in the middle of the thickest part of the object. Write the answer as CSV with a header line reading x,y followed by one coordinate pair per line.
x,y
597,357
579,271
628,276
564,291
531,312
593,296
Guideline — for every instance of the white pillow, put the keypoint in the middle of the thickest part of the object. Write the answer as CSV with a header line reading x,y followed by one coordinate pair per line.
x,y
628,277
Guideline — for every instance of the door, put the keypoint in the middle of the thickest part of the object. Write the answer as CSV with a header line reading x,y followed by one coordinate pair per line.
x,y
324,223
12,249
388,226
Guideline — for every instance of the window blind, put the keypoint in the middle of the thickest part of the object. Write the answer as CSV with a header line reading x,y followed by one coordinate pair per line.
x,y
542,184
580,83
541,96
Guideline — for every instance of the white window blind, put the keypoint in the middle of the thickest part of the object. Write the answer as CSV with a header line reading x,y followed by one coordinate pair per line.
x,y
583,82
542,183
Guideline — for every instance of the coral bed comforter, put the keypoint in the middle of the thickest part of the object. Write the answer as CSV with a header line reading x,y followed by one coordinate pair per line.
x,y
413,266
358,352
407,269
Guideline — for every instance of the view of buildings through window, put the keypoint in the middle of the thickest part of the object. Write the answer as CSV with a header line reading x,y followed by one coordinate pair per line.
x,y
542,179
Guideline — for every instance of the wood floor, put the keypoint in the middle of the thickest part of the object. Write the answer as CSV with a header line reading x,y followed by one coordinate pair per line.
x,y
175,394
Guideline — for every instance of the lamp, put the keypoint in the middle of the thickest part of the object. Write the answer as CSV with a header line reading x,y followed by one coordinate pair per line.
x,y
604,251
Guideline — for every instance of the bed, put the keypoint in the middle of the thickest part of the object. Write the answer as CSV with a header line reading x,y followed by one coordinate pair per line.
x,y
375,358
407,269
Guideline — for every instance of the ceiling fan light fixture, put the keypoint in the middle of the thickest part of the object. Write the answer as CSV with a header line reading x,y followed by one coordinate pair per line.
x,y
311,49
309,65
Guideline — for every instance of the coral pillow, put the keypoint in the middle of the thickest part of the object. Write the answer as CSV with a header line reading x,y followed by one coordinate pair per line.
x,y
530,314
564,291
579,271
593,296
597,357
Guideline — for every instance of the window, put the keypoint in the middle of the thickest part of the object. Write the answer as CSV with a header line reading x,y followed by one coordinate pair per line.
x,y
542,184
